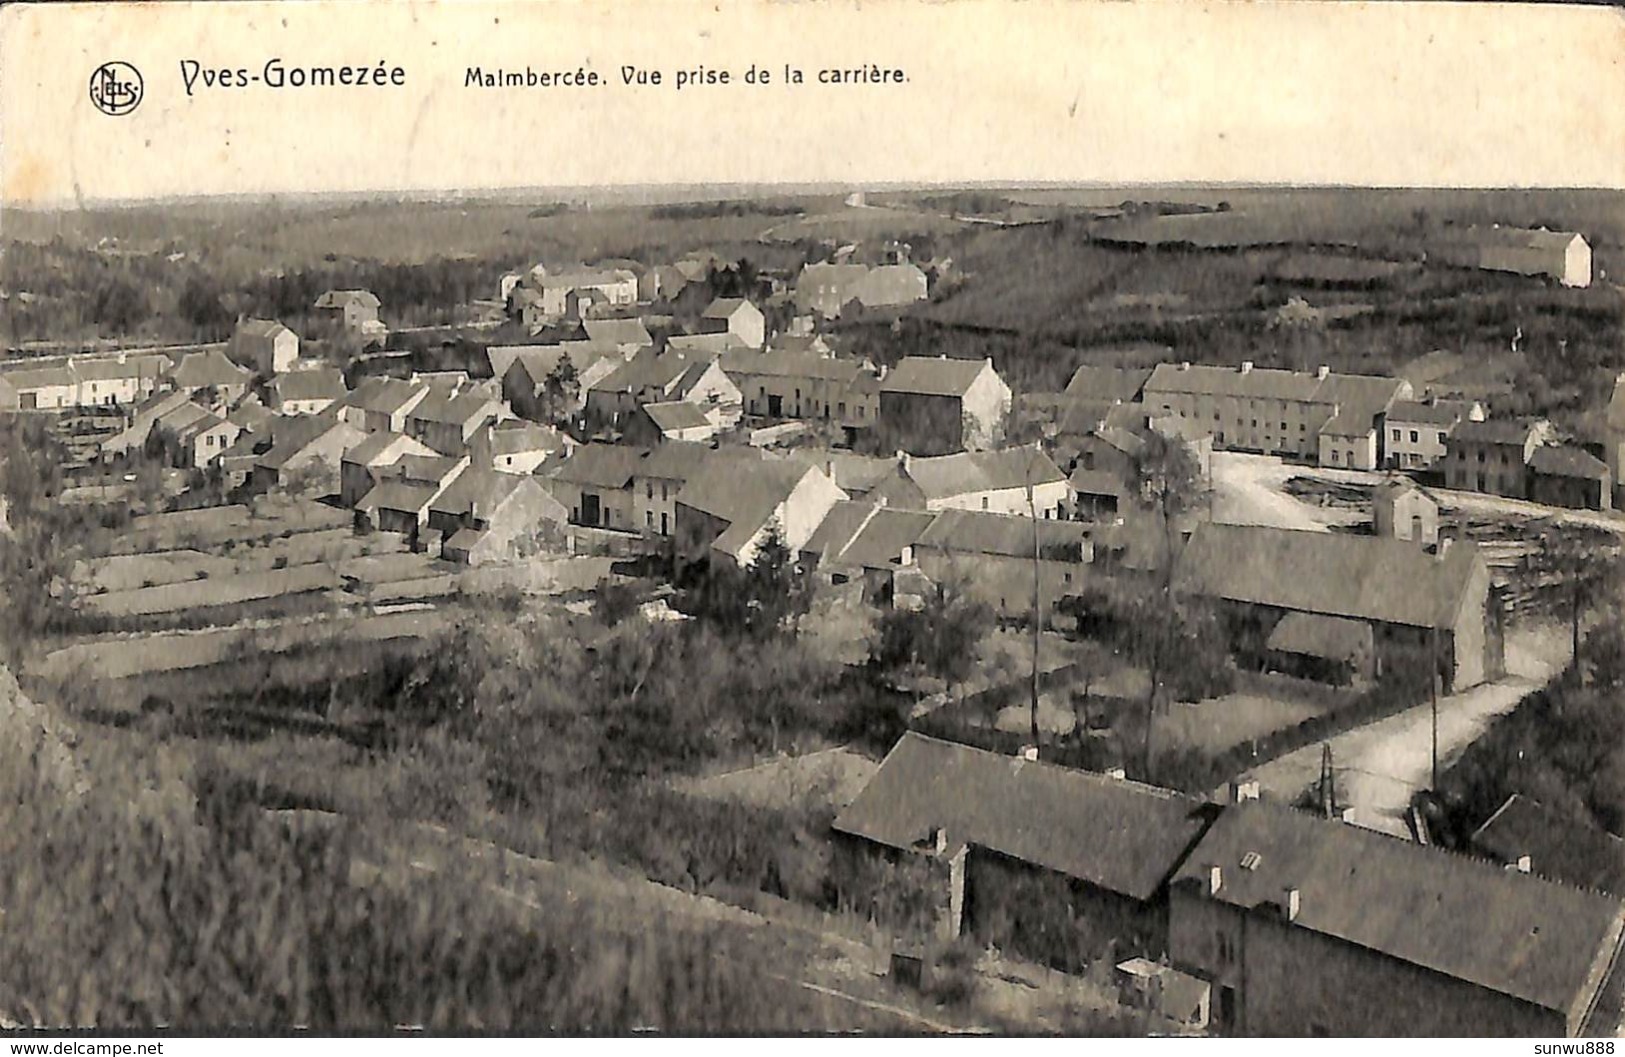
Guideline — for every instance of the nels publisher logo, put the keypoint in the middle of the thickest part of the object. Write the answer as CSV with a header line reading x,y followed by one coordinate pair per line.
x,y
116,88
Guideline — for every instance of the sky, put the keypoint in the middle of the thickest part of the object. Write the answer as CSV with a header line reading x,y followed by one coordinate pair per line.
x,y
997,91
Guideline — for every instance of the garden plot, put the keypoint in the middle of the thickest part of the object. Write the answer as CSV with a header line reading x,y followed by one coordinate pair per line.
x,y
214,591
213,528
128,572
124,656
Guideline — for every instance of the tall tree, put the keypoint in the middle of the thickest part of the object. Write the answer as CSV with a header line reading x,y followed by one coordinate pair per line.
x,y
1589,572
1171,487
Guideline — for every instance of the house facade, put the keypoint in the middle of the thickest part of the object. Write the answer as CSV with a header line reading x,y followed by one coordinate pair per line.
x,y
1563,256
1567,476
738,317
1402,510
360,465
265,346
1309,927
990,557
307,392
1418,430
1021,481
1493,456
940,406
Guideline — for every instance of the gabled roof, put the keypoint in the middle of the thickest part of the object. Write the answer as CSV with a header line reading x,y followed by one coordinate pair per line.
x,y
108,368
857,533
398,495
200,425
199,370
1108,383
657,372
941,376
294,434
1332,573
25,378
676,414
1559,846
724,307
251,415
1510,237
985,532
1120,836
261,328
478,486
1439,413
1568,461
1508,932
786,364
340,298
383,395
372,450
709,344
851,472
943,476
599,466
178,418
744,494
517,435
1257,382
617,332
1494,431
321,383
451,410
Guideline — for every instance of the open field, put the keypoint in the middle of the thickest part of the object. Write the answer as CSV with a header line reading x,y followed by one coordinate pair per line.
x,y
863,223
833,777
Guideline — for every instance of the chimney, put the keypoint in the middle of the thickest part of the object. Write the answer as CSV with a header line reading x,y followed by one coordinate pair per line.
x,y
1290,905
1184,365
941,840
1246,366
1243,790
1117,773
1029,753
1524,864
1322,371
1215,880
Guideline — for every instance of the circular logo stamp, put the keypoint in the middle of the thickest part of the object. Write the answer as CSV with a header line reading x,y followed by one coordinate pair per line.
x,y
116,88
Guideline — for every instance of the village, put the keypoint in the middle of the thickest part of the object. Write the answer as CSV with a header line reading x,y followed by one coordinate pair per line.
x,y
1152,695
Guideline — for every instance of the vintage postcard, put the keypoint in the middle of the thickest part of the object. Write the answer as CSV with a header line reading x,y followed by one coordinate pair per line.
x,y
762,518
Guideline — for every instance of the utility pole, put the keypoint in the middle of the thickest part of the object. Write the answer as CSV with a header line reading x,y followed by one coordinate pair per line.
x,y
1032,507
1433,686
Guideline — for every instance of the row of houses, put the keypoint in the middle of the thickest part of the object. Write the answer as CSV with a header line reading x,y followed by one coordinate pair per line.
x,y
1357,422
1257,918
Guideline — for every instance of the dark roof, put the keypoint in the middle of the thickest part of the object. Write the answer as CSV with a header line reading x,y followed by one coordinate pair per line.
x,y
599,465
676,414
724,307
199,370
1568,461
373,448
1504,931
1444,413
1508,237
1493,431
984,532
1313,635
384,395
292,435
398,495
260,328
516,435
1108,383
1332,573
941,476
1117,835
928,376
321,383
109,368
340,298
1559,846
858,533
476,485
455,410
617,331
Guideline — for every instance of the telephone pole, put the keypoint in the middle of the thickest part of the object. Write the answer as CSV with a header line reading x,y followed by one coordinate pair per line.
x,y
1032,506
1433,687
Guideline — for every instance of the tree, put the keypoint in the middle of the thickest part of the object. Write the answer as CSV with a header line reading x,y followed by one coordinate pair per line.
x,y
1589,572
561,390
1171,486
775,587
942,639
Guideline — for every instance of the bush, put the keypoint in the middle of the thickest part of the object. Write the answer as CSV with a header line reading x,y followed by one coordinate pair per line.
x,y
950,976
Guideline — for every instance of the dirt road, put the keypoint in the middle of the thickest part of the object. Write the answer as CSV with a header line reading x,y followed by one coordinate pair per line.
x,y
1379,766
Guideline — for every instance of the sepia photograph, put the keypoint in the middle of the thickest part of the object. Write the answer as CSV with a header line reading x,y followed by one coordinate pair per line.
x,y
741,519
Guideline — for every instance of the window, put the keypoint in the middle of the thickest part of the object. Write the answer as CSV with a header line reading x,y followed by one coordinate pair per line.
x,y
650,493
1222,947
1396,435
984,502
1283,427
649,518
1336,456
1481,455
1215,416
1441,437
1255,423
662,490
1414,436
1088,460
840,409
